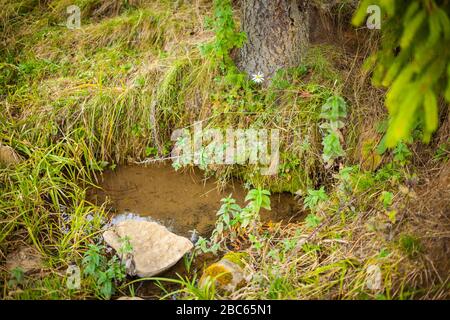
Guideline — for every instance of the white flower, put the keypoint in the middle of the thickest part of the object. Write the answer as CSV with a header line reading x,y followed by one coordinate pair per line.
x,y
258,77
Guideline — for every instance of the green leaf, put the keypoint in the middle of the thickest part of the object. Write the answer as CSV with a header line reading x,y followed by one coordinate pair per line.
x,y
431,111
386,197
332,148
312,220
411,29
315,197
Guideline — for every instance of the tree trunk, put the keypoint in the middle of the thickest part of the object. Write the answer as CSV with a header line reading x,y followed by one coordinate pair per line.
x,y
277,35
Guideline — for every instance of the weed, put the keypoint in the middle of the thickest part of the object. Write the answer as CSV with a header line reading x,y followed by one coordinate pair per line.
x,y
312,220
226,37
410,245
232,220
334,112
443,151
103,274
16,277
386,198
314,198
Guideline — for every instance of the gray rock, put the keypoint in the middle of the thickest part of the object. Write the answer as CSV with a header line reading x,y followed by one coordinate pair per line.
x,y
8,156
155,249
26,259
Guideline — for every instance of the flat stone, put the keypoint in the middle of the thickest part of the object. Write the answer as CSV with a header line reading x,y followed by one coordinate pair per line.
x,y
8,156
26,259
155,249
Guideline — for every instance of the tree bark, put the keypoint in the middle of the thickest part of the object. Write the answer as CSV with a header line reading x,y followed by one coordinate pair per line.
x,y
277,35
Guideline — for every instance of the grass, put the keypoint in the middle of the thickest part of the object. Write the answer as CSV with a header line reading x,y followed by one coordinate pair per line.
x,y
410,245
76,102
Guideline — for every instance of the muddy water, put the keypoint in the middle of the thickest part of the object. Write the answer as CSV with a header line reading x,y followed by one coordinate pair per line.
x,y
182,201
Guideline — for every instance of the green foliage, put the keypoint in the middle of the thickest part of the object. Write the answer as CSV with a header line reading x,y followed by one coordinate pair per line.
x,y
278,287
418,73
113,84
353,180
312,220
233,220
16,277
202,244
226,36
383,253
443,151
333,112
332,147
228,210
386,198
314,198
151,151
258,199
126,247
402,153
103,273
410,245
256,243
228,216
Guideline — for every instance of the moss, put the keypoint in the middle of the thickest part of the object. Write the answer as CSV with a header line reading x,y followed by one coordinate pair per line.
x,y
218,272
238,258
227,271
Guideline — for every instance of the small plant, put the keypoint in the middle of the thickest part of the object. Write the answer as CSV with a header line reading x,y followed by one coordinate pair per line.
x,y
386,198
202,244
279,287
312,220
443,151
182,143
314,198
226,36
345,179
289,244
227,216
258,199
103,273
401,153
383,253
410,245
126,247
16,277
233,220
256,243
334,111
151,151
